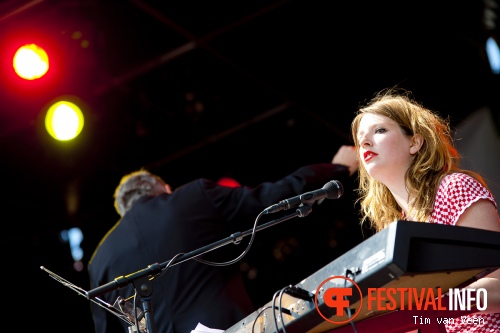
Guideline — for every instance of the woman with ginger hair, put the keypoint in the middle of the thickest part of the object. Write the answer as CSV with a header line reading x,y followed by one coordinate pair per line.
x,y
409,170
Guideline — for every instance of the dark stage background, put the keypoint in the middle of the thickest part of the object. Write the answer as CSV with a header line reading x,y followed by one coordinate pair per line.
x,y
243,89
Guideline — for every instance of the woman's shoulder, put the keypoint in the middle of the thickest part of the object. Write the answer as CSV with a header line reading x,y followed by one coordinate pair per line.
x,y
460,180
458,177
459,184
457,191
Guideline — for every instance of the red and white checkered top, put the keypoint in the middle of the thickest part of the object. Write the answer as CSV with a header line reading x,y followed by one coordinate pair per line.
x,y
455,194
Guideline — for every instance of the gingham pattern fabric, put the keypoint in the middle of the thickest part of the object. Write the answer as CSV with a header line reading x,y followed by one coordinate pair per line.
x,y
456,192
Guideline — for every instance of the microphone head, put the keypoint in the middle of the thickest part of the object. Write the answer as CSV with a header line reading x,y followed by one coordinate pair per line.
x,y
334,189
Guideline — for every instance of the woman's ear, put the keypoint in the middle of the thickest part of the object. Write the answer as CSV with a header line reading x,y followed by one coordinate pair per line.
x,y
168,189
416,143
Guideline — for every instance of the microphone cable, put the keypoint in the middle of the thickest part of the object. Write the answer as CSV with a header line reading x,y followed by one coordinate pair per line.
x,y
352,273
250,242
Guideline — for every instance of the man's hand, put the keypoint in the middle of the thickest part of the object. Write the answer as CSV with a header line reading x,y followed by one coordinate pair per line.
x,y
348,156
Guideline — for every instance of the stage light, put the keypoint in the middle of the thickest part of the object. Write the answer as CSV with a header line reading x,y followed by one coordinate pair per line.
x,y
30,62
228,182
64,120
493,52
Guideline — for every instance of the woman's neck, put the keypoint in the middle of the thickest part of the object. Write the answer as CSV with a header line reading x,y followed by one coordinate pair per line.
x,y
402,198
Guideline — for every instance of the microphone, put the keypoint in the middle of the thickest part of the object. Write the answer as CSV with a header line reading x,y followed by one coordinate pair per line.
x,y
331,190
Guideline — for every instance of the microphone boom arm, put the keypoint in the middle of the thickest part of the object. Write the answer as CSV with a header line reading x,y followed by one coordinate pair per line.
x,y
156,268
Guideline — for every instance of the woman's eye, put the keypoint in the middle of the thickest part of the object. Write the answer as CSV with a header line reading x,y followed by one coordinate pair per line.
x,y
380,130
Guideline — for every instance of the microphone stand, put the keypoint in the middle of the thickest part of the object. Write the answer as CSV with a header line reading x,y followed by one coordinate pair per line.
x,y
140,278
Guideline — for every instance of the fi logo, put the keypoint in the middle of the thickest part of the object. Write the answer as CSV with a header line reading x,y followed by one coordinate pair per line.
x,y
337,297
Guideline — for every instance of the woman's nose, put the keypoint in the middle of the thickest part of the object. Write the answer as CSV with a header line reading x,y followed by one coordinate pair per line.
x,y
364,141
